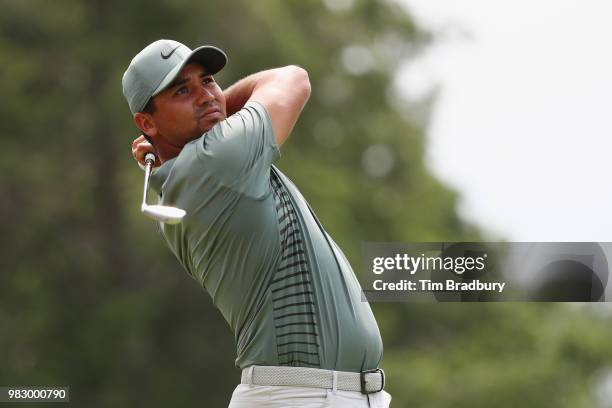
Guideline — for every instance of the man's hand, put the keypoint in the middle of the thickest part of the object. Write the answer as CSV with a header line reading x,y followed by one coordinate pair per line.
x,y
140,147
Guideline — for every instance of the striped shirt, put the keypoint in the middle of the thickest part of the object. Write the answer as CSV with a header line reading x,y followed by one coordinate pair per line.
x,y
250,239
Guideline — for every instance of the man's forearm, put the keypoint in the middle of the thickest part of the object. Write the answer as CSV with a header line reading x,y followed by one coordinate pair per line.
x,y
239,93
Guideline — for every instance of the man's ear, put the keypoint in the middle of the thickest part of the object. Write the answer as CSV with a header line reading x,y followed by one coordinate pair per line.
x,y
145,122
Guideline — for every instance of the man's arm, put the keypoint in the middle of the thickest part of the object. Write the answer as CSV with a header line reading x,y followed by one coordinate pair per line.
x,y
282,91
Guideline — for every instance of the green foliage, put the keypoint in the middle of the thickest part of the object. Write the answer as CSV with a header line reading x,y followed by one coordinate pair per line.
x,y
91,298
506,355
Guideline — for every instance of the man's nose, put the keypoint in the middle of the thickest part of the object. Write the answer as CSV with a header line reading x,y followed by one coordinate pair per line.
x,y
205,96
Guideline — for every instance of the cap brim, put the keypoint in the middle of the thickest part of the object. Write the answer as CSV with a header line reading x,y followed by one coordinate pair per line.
x,y
211,58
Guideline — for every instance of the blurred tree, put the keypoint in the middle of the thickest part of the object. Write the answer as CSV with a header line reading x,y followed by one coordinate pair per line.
x,y
90,296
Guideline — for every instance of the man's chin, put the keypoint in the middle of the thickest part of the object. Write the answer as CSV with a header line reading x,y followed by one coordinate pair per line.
x,y
208,123
204,129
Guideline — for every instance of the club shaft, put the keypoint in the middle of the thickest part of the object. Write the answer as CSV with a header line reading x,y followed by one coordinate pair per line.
x,y
148,164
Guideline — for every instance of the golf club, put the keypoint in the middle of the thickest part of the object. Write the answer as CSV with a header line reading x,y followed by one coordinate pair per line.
x,y
161,213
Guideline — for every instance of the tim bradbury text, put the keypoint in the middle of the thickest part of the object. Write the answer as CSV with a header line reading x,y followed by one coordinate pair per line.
x,y
429,286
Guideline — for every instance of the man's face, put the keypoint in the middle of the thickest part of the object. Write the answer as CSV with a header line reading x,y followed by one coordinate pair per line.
x,y
192,104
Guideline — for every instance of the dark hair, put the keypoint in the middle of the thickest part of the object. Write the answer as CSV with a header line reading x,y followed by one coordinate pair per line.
x,y
149,107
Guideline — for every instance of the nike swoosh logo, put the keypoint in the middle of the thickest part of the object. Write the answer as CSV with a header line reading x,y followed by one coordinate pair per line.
x,y
169,55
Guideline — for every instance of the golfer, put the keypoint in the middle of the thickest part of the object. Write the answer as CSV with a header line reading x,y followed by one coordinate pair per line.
x,y
304,336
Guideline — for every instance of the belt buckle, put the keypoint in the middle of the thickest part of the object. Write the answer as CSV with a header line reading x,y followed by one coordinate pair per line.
x,y
363,381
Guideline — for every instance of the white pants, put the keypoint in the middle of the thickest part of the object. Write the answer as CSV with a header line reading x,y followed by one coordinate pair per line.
x,y
268,396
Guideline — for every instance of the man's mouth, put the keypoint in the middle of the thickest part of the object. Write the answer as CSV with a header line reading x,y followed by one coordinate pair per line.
x,y
209,112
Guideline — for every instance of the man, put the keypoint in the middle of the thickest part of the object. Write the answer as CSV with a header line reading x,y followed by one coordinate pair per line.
x,y
303,335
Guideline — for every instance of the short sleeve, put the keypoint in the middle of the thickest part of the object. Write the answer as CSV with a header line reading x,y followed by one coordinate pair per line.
x,y
239,151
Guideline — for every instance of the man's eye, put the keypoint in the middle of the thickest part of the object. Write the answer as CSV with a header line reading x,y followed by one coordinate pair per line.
x,y
208,80
181,90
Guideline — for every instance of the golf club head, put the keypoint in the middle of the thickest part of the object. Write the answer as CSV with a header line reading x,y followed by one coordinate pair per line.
x,y
165,214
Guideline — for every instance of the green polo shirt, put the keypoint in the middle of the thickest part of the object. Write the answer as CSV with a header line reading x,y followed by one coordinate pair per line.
x,y
286,289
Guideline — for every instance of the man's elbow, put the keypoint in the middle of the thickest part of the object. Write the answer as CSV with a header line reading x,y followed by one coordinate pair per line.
x,y
301,81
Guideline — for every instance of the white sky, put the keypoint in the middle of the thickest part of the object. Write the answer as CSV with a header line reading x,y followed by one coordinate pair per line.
x,y
522,126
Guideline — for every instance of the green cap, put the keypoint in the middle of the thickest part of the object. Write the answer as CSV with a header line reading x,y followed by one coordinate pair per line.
x,y
156,66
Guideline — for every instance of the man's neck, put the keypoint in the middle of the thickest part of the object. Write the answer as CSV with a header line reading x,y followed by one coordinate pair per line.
x,y
167,154
166,151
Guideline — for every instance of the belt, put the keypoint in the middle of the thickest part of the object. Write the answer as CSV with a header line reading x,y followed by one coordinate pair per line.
x,y
367,382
